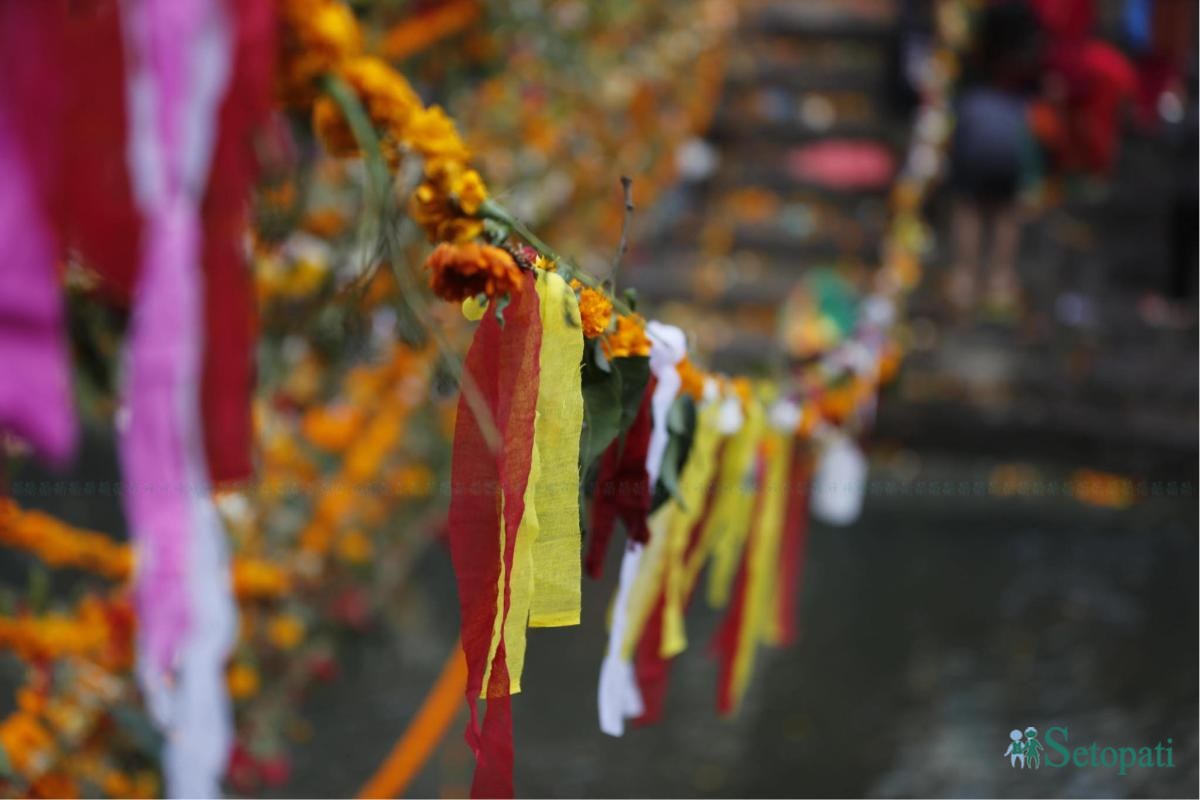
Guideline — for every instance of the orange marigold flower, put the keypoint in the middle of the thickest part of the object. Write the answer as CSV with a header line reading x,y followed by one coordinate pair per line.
x,y
354,547
332,428
629,339
595,310
243,681
692,379
285,631
459,271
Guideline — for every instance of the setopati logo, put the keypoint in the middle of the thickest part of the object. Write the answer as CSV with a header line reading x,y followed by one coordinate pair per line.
x,y
1025,750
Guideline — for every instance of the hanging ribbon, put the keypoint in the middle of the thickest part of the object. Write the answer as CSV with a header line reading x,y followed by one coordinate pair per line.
x,y
756,618
546,566
622,488
618,697
230,327
35,398
728,525
179,65
655,650
487,504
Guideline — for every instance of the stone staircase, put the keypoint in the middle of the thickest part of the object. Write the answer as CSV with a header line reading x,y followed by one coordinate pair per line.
x,y
1078,378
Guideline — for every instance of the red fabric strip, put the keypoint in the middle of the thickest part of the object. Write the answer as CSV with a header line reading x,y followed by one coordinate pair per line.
x,y
726,641
654,671
795,543
230,326
503,364
622,487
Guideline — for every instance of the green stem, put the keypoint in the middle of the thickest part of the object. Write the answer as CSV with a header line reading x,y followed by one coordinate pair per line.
x,y
379,181
492,210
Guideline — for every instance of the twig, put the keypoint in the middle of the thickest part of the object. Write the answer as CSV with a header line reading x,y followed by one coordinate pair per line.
x,y
623,246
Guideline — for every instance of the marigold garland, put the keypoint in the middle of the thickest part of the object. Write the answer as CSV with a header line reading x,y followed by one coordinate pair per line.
x,y
61,545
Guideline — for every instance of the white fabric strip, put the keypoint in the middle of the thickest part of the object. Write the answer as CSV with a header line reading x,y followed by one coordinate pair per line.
x,y
618,695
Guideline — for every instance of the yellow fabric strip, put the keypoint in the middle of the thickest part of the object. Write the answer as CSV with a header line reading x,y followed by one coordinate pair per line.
x,y
693,488
556,551
762,564
725,532
521,583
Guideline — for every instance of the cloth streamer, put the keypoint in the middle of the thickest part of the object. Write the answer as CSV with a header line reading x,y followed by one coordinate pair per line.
x,y
757,617
618,696
623,489
729,523
546,564
229,315
35,398
487,504
179,67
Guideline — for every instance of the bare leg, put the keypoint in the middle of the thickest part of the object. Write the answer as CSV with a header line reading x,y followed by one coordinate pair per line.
x,y
968,233
1003,283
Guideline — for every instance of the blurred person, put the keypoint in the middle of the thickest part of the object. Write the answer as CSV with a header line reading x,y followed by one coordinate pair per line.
x,y
990,155
1085,83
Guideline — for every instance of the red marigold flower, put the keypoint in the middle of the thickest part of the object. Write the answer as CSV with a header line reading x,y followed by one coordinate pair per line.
x,y
459,271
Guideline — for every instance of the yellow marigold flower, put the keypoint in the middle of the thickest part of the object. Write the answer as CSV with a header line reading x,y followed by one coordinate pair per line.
x,y
412,480
285,631
388,97
432,134
629,339
331,128
145,785
325,223
27,743
117,784
433,210
316,538
459,271
595,310
469,191
550,265
332,429
354,547
243,681
692,379
317,36
445,201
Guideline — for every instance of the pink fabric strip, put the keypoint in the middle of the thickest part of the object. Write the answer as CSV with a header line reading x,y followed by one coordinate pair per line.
x,y
179,67
35,384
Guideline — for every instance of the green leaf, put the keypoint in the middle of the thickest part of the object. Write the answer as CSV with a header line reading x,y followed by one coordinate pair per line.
x,y
681,427
501,303
6,770
634,372
138,728
601,411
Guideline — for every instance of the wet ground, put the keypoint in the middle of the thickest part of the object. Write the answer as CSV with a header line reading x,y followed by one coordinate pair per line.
x,y
930,629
